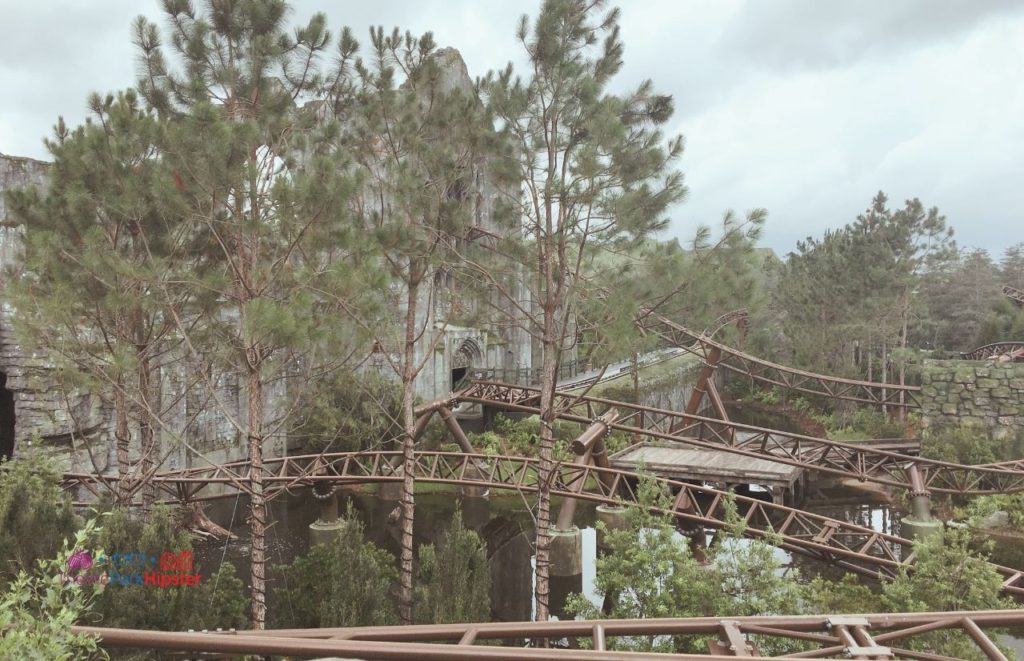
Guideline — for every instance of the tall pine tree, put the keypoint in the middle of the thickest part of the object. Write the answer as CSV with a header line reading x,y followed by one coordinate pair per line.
x,y
267,197
592,171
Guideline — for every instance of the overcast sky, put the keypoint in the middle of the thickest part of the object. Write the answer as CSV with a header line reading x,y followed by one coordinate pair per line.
x,y
804,107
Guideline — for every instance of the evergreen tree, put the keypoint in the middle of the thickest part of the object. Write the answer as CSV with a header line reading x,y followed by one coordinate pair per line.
x,y
218,601
267,195
419,141
346,583
97,242
35,514
591,171
454,578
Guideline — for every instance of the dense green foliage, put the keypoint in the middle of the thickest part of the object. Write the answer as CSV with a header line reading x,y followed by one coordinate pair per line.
x,y
37,609
649,572
967,444
454,579
35,514
346,583
346,412
218,601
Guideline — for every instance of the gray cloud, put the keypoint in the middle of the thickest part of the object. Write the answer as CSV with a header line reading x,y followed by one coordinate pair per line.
x,y
804,107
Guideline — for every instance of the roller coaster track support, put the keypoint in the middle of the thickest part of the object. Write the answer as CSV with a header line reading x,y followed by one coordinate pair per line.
x,y
851,460
850,546
865,392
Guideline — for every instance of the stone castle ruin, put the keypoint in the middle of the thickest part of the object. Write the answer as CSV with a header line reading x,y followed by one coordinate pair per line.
x,y
77,427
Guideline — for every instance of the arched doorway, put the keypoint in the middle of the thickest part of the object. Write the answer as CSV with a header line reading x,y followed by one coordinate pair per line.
x,y
465,357
6,419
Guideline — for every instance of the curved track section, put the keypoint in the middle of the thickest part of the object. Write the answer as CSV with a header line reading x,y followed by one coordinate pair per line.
x,y
866,392
862,461
1014,294
847,545
995,349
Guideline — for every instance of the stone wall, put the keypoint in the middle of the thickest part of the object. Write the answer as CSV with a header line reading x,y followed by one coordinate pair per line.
x,y
983,394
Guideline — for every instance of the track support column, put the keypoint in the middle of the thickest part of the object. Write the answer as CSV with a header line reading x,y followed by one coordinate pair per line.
x,y
919,524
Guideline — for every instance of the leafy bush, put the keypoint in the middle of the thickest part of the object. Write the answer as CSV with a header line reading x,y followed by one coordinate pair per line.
x,y
650,572
981,507
37,610
35,514
345,583
521,438
863,424
348,412
218,601
948,575
964,444
454,580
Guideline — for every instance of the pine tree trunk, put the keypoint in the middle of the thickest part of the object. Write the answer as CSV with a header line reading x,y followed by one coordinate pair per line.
x,y
405,601
903,369
122,438
257,504
549,370
147,437
884,372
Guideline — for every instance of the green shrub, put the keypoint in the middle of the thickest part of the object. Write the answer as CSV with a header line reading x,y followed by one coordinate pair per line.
x,y
35,514
347,412
345,583
218,601
454,580
37,610
964,444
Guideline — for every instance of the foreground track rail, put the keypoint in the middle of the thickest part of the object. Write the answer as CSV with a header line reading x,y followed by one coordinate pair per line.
x,y
862,461
872,636
866,392
847,545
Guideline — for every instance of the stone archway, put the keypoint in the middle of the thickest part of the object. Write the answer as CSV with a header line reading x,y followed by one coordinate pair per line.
x,y
6,419
467,356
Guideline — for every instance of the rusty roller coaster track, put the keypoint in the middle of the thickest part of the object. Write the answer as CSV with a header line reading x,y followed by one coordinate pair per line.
x,y
701,345
1012,349
870,636
1014,294
861,461
847,545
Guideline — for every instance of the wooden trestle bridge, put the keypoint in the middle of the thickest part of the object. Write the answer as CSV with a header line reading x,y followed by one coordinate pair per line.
x,y
590,478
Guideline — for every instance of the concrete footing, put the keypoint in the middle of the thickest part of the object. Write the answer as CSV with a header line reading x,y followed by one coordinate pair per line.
x,y
566,552
325,529
614,518
915,529
474,473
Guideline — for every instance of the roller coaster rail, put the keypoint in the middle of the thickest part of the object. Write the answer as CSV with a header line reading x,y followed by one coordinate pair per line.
x,y
874,636
1014,294
865,392
861,461
853,547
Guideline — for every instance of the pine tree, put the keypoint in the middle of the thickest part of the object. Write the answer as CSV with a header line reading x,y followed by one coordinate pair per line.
x,y
267,196
591,170
98,240
419,141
